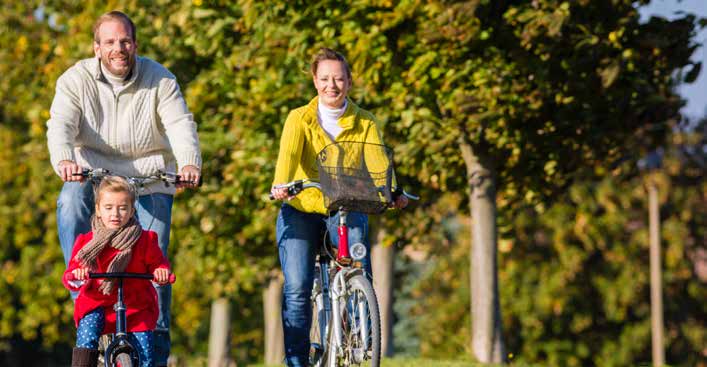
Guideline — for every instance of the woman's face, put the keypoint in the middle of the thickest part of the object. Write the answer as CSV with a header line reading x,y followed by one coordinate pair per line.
x,y
332,83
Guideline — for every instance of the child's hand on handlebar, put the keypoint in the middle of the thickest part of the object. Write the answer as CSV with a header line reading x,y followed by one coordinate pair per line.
x,y
80,273
161,276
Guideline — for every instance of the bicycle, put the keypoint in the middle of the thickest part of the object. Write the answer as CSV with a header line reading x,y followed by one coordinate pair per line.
x,y
138,183
120,352
345,327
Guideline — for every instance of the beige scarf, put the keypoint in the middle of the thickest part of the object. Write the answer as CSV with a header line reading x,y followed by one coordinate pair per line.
x,y
122,239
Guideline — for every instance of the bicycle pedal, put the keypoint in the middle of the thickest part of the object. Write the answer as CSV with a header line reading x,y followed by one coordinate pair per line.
x,y
316,351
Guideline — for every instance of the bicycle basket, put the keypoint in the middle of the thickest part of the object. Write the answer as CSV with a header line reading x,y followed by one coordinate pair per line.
x,y
356,176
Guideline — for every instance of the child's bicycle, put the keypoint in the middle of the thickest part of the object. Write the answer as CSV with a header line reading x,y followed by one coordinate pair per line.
x,y
345,316
94,176
120,352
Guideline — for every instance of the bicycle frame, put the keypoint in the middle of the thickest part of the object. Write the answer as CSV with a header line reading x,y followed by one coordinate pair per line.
x,y
120,343
331,310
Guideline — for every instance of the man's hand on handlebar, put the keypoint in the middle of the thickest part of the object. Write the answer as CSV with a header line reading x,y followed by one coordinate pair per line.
x,y
190,175
68,171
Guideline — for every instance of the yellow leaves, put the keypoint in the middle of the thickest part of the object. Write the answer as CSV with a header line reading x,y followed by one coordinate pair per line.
x,y
21,46
550,167
609,74
613,37
562,99
505,245
197,2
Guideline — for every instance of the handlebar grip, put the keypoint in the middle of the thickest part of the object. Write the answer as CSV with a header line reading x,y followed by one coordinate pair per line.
x,y
178,180
172,278
70,277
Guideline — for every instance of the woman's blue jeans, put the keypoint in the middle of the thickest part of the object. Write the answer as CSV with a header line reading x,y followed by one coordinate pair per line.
x,y
298,237
75,207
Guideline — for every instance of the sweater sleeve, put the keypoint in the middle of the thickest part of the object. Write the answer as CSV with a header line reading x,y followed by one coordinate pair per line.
x,y
64,120
178,123
153,254
291,145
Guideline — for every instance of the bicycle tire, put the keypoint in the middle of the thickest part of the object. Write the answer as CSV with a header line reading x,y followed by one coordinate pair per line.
x,y
317,333
123,360
359,302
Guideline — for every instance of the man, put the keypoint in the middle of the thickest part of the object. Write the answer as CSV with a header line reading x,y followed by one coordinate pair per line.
x,y
124,113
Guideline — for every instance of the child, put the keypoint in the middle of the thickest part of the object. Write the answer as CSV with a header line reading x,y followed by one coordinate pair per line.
x,y
116,243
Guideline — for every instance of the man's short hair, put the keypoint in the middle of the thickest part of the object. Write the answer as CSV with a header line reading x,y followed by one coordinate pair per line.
x,y
113,15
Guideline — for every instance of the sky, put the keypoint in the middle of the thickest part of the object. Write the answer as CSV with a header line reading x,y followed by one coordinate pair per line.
x,y
695,93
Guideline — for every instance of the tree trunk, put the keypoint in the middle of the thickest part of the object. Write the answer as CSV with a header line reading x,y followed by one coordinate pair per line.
x,y
487,343
218,333
656,283
382,258
272,307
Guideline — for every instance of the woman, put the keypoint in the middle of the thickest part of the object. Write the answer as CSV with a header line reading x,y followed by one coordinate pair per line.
x,y
302,220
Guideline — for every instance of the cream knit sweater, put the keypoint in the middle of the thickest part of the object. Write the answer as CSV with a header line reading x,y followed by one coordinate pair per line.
x,y
143,128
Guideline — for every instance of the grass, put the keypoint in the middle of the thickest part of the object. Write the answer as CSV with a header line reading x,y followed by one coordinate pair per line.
x,y
417,362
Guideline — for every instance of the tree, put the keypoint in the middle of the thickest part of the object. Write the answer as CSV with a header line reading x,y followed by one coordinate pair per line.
x,y
519,99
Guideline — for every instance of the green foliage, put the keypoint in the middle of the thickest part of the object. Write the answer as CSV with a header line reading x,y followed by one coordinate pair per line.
x,y
574,277
546,88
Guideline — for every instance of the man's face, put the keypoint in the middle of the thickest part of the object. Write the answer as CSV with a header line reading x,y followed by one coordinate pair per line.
x,y
115,47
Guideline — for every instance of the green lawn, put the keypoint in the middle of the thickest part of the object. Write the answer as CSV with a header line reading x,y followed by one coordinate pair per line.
x,y
419,362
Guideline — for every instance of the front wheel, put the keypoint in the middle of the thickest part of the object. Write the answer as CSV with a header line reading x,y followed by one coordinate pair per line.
x,y
123,360
360,325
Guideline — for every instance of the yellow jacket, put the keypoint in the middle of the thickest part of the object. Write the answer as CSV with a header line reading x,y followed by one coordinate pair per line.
x,y
302,138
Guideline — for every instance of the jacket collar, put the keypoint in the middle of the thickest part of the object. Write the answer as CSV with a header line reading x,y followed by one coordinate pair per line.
x,y
346,121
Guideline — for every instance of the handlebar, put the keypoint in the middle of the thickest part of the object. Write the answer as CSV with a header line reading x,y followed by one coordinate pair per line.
x,y
295,187
168,178
122,275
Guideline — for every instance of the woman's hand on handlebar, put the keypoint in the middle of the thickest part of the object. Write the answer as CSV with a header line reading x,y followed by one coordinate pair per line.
x,y
80,273
400,202
161,276
280,193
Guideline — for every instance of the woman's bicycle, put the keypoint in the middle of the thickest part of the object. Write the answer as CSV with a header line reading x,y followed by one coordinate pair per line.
x,y
345,327
119,351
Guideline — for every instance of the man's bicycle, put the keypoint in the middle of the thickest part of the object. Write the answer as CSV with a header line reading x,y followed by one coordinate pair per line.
x,y
345,329
119,351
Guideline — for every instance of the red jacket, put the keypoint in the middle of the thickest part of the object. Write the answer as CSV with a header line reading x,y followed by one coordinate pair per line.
x,y
138,294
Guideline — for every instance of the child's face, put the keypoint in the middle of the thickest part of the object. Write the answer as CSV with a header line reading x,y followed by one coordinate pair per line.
x,y
114,209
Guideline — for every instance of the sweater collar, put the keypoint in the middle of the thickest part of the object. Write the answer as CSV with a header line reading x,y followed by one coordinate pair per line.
x,y
346,121
98,74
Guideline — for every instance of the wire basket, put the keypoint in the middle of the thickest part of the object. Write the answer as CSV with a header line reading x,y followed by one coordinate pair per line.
x,y
356,176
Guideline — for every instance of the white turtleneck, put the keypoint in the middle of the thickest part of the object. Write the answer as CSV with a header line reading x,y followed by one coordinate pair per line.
x,y
329,119
118,82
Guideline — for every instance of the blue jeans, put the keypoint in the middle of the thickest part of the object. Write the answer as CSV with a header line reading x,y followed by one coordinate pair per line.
x,y
91,326
298,237
75,207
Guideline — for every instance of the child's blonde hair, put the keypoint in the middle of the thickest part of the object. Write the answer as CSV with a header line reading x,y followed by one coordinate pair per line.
x,y
115,184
